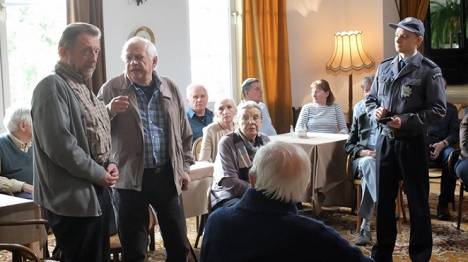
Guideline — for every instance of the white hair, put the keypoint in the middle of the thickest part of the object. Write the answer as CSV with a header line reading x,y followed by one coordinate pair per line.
x,y
282,171
190,88
15,115
151,50
249,104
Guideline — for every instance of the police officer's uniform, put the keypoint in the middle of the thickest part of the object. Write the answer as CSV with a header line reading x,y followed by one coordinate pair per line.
x,y
417,95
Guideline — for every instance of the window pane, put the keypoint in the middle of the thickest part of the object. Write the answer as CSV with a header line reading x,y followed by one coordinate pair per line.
x,y
33,30
210,46
446,24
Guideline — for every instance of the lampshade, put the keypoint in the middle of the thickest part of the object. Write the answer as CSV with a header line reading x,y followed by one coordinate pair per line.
x,y
349,56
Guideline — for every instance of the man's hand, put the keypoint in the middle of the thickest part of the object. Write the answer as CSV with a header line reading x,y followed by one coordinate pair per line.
x,y
112,175
118,105
380,112
395,123
438,147
27,188
366,152
185,182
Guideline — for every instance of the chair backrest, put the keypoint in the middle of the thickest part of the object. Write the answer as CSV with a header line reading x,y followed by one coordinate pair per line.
x,y
196,148
349,167
296,112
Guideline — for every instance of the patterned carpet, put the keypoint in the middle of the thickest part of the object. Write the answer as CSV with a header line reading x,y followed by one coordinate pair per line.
x,y
449,244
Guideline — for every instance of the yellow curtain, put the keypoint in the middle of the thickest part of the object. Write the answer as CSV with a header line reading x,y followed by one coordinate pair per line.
x,y
414,8
90,11
265,55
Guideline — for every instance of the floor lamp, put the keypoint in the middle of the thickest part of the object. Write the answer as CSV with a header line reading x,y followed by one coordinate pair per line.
x,y
349,58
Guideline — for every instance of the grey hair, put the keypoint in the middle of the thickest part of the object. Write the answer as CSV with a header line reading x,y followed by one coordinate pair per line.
x,y
248,105
73,30
218,102
367,80
246,85
282,171
190,87
15,115
151,50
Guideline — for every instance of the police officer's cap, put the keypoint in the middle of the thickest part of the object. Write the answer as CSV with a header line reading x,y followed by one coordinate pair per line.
x,y
410,24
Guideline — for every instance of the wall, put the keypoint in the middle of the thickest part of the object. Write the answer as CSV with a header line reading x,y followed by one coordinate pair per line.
x,y
168,19
311,41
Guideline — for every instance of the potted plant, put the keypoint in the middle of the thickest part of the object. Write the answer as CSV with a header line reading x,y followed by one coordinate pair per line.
x,y
445,24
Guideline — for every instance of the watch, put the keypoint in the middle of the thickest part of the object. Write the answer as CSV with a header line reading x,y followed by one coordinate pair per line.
x,y
146,33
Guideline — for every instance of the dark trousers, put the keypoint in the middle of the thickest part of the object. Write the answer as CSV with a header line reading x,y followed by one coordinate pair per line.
x,y
83,238
133,217
447,182
403,158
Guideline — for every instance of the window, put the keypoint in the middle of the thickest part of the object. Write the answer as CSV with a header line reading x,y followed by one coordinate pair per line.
x,y
29,35
445,41
211,47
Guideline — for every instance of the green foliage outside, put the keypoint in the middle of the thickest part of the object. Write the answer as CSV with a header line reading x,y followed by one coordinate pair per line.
x,y
445,24
33,32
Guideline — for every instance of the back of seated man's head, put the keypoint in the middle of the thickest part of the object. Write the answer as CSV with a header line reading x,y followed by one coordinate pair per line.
x,y
282,171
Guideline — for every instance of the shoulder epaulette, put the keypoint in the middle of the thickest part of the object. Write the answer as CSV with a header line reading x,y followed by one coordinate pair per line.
x,y
388,59
430,62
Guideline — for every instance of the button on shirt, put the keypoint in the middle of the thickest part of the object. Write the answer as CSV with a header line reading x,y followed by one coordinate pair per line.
x,y
154,124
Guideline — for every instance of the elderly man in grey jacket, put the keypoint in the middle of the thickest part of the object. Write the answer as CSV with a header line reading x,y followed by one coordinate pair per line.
x,y
151,141
73,167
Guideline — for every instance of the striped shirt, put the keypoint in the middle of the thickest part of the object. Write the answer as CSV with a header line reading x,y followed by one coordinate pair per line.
x,y
322,119
155,136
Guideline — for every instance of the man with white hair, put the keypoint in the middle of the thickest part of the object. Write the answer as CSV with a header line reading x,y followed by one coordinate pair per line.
x,y
16,154
198,115
264,225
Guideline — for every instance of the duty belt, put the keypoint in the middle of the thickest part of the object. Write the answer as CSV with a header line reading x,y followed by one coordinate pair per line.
x,y
400,133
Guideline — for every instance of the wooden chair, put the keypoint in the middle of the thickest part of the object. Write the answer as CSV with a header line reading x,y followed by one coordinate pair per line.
x,y
453,158
116,246
357,183
436,173
20,253
196,148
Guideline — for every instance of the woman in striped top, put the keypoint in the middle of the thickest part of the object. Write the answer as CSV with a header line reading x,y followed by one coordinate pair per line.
x,y
322,115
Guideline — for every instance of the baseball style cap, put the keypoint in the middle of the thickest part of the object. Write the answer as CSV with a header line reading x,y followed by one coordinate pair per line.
x,y
410,24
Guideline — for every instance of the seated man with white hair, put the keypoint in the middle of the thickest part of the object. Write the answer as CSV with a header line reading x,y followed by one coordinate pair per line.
x,y
16,153
264,224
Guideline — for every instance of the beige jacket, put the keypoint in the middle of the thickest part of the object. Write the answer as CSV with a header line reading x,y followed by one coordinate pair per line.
x,y
127,132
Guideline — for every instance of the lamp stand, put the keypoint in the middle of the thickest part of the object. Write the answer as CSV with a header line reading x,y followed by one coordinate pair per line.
x,y
350,97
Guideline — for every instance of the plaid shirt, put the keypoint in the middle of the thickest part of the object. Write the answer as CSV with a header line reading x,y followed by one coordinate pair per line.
x,y
97,118
155,136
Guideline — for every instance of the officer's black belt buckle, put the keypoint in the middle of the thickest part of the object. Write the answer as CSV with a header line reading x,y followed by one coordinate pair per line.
x,y
400,133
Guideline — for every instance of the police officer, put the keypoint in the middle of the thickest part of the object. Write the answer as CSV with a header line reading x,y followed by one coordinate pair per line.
x,y
409,94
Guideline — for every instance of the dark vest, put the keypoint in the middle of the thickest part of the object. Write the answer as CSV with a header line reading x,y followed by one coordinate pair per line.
x,y
16,164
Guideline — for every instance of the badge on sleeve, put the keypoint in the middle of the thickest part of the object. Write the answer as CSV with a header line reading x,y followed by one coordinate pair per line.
x,y
406,92
436,75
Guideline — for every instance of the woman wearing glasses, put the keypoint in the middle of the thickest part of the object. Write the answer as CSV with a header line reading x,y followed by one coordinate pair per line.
x,y
236,151
323,115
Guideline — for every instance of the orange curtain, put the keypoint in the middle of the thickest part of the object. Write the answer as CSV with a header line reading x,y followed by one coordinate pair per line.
x,y
265,55
90,11
414,8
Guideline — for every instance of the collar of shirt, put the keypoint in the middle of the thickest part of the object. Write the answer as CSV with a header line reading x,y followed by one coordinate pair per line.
x,y
155,78
401,58
20,144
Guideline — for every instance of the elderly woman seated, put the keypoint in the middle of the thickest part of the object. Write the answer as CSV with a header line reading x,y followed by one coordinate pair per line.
x,y
224,111
236,151
323,115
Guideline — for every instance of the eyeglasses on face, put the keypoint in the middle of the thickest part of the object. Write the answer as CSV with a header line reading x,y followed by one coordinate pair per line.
x,y
247,119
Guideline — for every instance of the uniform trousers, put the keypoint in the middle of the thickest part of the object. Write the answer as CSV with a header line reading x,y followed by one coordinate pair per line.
x,y
158,189
83,238
403,158
367,174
